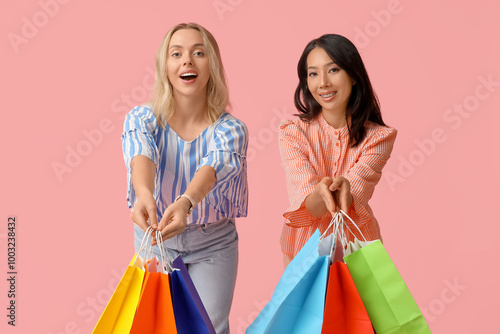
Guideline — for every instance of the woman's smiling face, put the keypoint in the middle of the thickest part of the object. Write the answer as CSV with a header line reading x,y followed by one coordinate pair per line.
x,y
330,85
187,63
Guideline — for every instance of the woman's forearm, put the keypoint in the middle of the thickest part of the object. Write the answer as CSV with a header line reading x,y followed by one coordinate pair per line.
x,y
143,175
201,184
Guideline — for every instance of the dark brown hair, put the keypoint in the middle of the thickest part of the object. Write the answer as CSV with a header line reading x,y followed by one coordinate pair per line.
x,y
363,104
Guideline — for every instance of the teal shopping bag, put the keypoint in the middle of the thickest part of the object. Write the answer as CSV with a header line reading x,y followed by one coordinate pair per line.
x,y
298,301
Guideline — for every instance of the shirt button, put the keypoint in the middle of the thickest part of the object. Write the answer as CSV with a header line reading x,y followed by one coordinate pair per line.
x,y
336,133
335,164
337,144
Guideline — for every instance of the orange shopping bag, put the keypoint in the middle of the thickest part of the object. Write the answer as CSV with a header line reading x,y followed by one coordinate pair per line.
x,y
344,309
155,313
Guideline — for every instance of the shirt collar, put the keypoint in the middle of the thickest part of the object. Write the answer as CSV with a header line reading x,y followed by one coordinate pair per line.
x,y
342,132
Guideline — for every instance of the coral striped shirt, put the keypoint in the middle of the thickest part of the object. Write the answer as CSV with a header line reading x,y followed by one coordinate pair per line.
x,y
314,150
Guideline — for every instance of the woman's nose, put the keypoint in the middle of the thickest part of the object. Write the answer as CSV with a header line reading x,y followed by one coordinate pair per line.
x,y
187,60
323,80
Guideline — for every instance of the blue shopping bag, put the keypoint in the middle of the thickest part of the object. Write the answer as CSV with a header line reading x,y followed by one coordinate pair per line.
x,y
190,314
298,301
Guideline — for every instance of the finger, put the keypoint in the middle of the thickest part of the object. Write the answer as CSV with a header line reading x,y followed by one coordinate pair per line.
x,y
153,220
327,180
139,219
328,200
172,232
177,226
336,200
165,220
341,199
171,226
335,185
346,201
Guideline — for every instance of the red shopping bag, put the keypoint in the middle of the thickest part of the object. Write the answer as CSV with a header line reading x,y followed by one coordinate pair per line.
x,y
155,313
344,309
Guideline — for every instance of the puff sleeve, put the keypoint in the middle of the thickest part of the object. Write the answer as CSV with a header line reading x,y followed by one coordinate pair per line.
x,y
367,171
227,155
301,175
138,138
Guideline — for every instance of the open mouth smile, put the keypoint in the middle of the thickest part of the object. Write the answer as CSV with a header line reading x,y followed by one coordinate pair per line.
x,y
188,76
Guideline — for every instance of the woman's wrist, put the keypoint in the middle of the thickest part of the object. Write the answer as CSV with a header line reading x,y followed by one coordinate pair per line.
x,y
186,201
143,192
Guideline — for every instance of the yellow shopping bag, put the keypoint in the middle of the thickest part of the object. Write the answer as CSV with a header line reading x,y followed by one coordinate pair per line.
x,y
119,314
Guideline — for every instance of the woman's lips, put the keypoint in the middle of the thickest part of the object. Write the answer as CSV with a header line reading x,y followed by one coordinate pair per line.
x,y
328,96
189,76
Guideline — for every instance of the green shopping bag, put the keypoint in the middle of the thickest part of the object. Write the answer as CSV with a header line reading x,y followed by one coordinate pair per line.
x,y
389,303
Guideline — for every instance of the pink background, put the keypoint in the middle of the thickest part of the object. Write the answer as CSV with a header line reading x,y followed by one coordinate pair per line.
x,y
75,67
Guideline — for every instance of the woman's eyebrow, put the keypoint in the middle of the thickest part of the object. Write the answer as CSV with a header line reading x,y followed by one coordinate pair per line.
x,y
314,67
180,46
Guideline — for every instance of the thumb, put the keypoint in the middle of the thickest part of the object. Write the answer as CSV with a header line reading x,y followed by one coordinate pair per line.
x,y
335,185
167,216
153,220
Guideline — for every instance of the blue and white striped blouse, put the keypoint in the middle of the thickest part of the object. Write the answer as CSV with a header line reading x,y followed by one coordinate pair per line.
x,y
222,145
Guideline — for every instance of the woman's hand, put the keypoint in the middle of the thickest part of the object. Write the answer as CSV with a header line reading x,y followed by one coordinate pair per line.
x,y
144,210
330,194
174,219
323,190
341,189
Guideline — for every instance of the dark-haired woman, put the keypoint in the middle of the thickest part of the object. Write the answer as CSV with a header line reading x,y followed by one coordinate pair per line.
x,y
334,152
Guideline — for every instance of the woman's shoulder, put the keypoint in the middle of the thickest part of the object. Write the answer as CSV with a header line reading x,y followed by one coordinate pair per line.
x,y
294,123
141,117
297,127
374,127
228,122
376,131
144,112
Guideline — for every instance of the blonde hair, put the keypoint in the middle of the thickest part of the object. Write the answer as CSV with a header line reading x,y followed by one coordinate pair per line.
x,y
162,99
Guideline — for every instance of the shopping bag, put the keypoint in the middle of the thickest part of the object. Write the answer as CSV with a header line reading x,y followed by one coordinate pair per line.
x,y
119,313
389,303
353,246
334,243
327,246
155,313
297,303
191,316
344,309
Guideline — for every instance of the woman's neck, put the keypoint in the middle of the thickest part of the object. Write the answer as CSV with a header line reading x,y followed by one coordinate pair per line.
x,y
336,120
189,110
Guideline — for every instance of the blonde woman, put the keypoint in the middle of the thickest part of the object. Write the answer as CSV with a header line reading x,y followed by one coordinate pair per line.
x,y
186,161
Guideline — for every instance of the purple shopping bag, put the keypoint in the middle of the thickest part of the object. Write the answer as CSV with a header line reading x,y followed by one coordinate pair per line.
x,y
190,314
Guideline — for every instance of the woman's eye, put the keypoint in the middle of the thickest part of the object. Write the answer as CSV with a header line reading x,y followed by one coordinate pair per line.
x,y
334,69
176,54
199,53
312,74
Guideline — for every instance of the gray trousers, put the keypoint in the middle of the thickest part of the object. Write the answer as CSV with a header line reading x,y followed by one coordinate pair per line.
x,y
210,253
